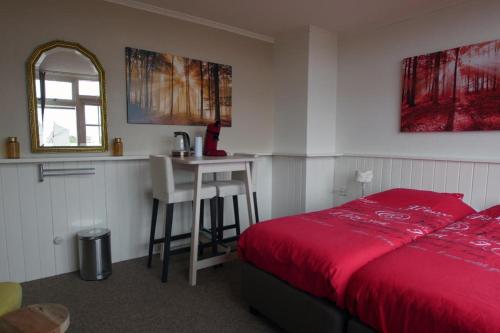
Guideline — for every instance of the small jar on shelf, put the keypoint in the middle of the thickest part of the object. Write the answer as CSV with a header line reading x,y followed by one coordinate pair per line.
x,y
117,147
12,147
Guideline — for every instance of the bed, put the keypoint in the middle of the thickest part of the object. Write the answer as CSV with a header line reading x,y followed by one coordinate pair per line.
x,y
316,253
447,281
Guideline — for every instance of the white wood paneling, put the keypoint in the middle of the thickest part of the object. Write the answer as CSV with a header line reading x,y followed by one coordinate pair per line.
x,y
439,183
479,185
452,177
28,214
478,181
12,217
406,169
417,171
465,180
118,196
493,185
59,220
396,173
428,174
4,248
304,183
289,186
319,183
45,226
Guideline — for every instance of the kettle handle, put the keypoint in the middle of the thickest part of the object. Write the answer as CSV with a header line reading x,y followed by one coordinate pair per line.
x,y
186,136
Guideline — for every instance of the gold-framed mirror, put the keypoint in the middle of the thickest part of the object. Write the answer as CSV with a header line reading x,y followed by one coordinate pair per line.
x,y
67,99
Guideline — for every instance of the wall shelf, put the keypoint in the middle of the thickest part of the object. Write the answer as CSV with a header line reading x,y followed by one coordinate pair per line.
x,y
334,155
71,159
61,159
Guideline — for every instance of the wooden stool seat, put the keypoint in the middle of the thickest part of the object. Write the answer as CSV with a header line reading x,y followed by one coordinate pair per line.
x,y
36,318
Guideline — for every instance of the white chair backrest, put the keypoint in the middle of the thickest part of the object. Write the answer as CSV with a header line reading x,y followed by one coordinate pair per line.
x,y
162,176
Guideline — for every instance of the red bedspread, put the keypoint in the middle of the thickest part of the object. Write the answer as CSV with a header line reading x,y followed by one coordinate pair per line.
x,y
448,281
318,252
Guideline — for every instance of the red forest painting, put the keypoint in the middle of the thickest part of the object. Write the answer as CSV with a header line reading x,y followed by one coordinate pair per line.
x,y
452,90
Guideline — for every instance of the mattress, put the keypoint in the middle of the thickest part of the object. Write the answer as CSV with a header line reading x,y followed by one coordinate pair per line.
x,y
318,252
447,281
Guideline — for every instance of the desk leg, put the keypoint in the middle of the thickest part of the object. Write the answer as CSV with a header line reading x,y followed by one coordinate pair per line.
x,y
195,227
251,207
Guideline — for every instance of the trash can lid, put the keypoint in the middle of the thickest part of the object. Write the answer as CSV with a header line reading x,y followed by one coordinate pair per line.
x,y
94,233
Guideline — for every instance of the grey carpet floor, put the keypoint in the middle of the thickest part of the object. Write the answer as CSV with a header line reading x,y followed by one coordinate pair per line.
x,y
133,299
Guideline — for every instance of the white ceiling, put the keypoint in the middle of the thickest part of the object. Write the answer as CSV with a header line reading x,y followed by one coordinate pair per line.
x,y
270,17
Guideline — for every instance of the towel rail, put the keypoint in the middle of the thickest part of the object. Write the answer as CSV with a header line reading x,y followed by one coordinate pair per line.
x,y
42,172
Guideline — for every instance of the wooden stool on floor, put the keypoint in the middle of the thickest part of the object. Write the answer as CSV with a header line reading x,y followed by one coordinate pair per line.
x,y
37,318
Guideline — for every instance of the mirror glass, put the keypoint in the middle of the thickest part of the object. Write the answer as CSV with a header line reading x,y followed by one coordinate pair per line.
x,y
67,109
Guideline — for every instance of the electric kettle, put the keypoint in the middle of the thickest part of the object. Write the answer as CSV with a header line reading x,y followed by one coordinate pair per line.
x,y
182,144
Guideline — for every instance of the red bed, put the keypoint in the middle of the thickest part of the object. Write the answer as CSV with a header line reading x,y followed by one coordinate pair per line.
x,y
318,252
447,281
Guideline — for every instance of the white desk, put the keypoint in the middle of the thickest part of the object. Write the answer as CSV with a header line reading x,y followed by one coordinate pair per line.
x,y
209,164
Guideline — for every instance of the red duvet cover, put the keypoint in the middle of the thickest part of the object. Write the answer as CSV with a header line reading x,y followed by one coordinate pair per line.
x,y
318,252
447,281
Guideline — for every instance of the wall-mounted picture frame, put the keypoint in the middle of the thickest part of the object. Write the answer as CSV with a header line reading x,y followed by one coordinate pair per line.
x,y
167,89
453,90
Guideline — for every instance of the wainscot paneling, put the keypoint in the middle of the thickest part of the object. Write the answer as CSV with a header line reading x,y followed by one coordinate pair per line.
x,y
302,183
319,183
288,185
33,214
478,181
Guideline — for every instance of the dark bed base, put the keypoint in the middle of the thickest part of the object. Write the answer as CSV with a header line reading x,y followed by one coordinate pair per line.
x,y
292,309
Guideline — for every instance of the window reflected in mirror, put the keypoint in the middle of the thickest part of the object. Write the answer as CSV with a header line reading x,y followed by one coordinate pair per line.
x,y
69,99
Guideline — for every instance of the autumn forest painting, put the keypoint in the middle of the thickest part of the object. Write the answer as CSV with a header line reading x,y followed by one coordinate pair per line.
x,y
452,90
173,90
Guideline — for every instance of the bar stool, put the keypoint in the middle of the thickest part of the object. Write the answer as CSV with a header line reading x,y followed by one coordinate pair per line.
x,y
169,193
232,188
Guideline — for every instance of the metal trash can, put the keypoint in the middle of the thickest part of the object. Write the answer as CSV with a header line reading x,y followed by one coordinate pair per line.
x,y
94,250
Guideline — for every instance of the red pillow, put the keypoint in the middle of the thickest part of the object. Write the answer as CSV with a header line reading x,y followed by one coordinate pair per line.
x,y
493,212
404,196
455,207
445,203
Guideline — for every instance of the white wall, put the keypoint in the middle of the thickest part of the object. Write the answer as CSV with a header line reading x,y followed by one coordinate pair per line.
x,y
106,29
305,67
290,79
321,91
369,83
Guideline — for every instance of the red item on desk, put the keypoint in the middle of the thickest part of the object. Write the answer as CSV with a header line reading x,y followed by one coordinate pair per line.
x,y
211,139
